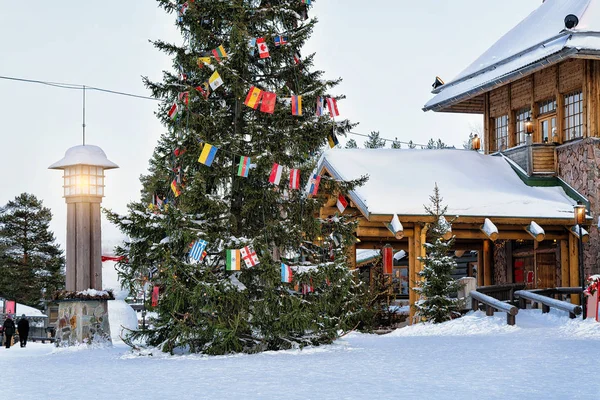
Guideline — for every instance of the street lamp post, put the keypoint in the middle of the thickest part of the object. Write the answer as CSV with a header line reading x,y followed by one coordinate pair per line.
x,y
83,172
580,211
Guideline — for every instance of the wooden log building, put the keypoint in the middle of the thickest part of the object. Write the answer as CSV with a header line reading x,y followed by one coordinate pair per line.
x,y
538,91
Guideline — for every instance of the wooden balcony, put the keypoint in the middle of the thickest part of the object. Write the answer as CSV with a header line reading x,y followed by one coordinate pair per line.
x,y
536,159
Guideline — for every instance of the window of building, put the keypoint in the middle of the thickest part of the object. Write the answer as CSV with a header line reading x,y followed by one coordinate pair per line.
x,y
521,117
573,115
547,106
501,130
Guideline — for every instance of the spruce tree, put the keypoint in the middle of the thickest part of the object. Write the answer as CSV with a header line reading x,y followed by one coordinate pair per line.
x,y
202,306
374,141
436,286
32,265
351,144
396,144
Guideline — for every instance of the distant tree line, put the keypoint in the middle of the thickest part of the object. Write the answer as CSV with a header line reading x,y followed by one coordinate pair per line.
x,y
31,263
374,141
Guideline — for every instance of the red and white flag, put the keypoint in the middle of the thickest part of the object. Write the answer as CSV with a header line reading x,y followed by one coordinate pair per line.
x,y
249,256
332,106
342,203
276,171
295,179
263,50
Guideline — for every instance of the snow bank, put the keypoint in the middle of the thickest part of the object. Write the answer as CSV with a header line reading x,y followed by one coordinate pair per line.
x,y
121,317
110,280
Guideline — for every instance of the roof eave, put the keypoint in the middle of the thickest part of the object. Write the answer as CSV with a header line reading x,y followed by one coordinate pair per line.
x,y
528,69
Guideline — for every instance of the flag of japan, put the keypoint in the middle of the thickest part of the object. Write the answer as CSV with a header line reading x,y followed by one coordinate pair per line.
x,y
332,106
263,50
295,179
342,203
276,171
249,256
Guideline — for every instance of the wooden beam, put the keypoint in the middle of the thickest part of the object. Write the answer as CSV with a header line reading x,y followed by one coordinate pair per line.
x,y
506,235
372,245
351,256
488,261
575,232
489,229
574,266
381,232
536,231
564,263
516,221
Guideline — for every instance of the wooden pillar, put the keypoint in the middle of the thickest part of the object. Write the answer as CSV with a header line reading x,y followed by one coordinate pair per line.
x,y
95,247
82,238
486,123
574,266
416,250
71,259
564,264
479,268
411,278
488,261
351,256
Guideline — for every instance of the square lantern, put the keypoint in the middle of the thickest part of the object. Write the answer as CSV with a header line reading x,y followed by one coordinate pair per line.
x,y
83,171
580,211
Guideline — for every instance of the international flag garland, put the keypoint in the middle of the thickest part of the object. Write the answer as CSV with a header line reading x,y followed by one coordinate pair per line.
x,y
174,188
275,176
197,249
307,2
204,89
202,61
342,203
297,105
184,97
286,273
208,154
314,184
174,112
263,50
268,102
219,53
297,58
333,140
244,167
253,97
281,40
215,80
232,260
295,179
249,256
319,110
332,106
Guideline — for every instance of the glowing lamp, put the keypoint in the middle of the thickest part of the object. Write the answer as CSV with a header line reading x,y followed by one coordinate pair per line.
x,y
476,143
528,126
579,214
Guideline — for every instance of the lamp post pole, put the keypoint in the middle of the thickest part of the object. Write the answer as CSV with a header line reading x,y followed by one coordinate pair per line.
x,y
580,211
581,276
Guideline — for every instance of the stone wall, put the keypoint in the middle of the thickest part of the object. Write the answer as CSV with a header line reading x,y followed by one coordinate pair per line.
x,y
579,166
82,321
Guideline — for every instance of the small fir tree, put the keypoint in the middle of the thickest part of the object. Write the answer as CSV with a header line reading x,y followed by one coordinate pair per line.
x,y
374,141
436,285
351,144
32,265
202,306
396,144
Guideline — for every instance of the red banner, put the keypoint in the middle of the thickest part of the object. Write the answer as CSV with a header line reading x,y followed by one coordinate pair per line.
x,y
111,258
10,307
388,259
155,296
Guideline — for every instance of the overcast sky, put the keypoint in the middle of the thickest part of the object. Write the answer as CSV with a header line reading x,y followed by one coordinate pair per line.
x,y
387,51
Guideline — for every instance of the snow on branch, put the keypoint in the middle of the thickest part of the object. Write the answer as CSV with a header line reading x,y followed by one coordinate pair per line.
x,y
490,229
445,227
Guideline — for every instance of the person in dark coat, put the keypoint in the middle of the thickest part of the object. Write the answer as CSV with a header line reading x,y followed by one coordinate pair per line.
x,y
9,330
23,327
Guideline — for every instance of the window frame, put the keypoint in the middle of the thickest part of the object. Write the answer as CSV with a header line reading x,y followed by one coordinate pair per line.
x,y
572,119
501,132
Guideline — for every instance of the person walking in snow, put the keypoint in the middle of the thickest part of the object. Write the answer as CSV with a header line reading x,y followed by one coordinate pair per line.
x,y
9,330
23,327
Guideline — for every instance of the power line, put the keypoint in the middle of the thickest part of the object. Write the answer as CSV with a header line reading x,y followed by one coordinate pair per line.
x,y
74,86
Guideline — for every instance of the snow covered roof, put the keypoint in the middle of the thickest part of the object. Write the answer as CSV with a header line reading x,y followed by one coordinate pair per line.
x,y
28,311
84,155
471,184
363,255
539,40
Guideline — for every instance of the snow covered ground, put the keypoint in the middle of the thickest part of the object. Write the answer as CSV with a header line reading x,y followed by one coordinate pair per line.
x,y
543,357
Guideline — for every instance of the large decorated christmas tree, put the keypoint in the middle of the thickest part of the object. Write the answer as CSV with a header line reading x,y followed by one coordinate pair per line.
x,y
227,238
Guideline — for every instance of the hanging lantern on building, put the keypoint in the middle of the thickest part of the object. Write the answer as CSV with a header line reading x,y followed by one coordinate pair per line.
x,y
388,259
528,126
